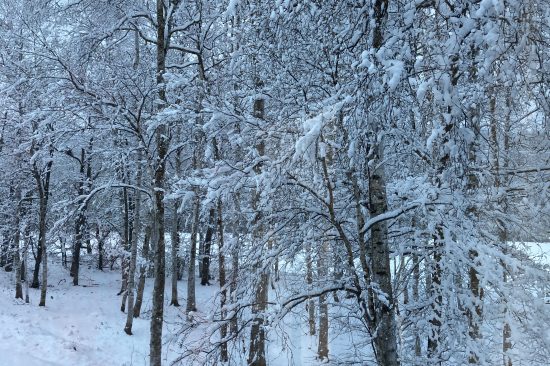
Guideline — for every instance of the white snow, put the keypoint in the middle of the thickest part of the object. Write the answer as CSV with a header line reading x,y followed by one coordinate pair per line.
x,y
83,325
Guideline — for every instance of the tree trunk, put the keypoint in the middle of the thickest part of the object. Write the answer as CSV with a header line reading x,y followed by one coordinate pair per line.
x,y
234,322
4,245
386,329
415,294
63,251
223,291
133,251
174,255
75,264
191,302
205,270
385,341
16,242
162,149
142,271
310,304
322,270
256,354
37,262
100,249
435,292
80,224
176,228
43,186
25,257
125,262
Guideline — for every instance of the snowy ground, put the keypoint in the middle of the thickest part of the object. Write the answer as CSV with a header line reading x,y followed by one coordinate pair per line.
x,y
84,325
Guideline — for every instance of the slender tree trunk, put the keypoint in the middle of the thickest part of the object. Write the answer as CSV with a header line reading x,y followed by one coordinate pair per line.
x,y
100,249
415,293
385,342
43,185
174,255
176,228
25,258
256,354
310,304
16,242
133,251
223,290
125,264
322,270
4,245
63,251
191,302
234,322
386,328
75,264
205,270
435,291
42,239
160,170
201,251
37,262
80,224
142,270
503,203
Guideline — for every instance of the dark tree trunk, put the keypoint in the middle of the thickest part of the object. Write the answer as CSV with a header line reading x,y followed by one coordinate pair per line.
x,y
4,249
142,271
162,149
43,185
133,255
100,248
80,224
175,236
256,355
174,256
322,350
75,264
205,270
37,262
223,295
16,242
191,302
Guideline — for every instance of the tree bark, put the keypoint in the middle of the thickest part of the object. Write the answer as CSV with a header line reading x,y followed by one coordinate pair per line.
x,y
37,263
223,290
80,223
191,301
174,255
256,354
43,193
310,304
160,170
322,349
205,270
142,270
385,342
100,249
16,242
133,251
234,322
125,261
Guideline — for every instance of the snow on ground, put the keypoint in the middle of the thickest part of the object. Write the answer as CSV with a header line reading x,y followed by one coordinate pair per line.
x,y
83,325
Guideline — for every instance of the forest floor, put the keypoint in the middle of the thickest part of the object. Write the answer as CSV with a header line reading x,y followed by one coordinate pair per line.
x,y
83,325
